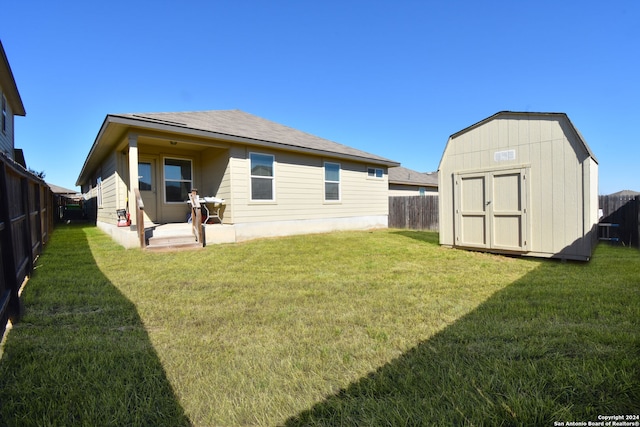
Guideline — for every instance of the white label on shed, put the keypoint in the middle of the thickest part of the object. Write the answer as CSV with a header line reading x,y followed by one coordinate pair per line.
x,y
503,156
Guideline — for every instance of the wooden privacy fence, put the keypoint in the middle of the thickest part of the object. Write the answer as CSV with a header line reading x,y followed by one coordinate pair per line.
x,y
414,212
624,214
26,219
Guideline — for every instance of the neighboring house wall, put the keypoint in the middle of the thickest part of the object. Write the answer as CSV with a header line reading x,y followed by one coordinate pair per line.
x,y
559,181
404,182
10,105
396,190
6,135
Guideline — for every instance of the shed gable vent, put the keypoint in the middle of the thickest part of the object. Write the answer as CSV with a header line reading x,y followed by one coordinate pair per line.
x,y
504,156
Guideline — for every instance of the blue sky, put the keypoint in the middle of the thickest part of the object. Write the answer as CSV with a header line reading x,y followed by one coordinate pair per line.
x,y
394,78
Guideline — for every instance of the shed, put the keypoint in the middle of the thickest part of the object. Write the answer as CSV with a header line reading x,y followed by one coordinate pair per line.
x,y
520,183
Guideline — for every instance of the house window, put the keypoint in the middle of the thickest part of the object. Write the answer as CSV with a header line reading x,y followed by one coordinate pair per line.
x,y
4,114
331,181
262,176
375,172
423,191
177,180
99,191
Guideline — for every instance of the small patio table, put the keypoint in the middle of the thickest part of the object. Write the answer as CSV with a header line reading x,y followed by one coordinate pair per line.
x,y
211,206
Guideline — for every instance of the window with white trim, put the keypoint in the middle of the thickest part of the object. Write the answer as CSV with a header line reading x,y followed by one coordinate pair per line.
x,y
178,180
375,172
262,176
331,181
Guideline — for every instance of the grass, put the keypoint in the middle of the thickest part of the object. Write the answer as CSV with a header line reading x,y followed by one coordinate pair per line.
x,y
349,328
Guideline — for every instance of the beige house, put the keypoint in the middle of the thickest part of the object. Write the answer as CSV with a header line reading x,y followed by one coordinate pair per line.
x,y
11,105
407,182
522,183
274,180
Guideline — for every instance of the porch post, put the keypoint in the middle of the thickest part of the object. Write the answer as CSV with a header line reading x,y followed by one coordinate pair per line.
x,y
133,175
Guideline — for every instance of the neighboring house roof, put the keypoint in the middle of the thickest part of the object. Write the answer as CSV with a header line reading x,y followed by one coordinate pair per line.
x,y
227,125
18,157
401,175
56,189
624,193
529,115
8,84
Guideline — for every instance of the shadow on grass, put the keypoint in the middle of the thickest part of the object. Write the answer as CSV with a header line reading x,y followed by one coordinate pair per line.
x,y
422,236
81,355
560,344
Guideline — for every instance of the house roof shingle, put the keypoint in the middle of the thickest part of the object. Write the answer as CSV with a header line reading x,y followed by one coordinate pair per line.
x,y
230,125
56,189
625,193
240,124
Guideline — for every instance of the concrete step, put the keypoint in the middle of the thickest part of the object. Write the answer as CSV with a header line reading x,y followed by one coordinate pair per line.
x,y
175,236
172,246
173,239
168,240
177,229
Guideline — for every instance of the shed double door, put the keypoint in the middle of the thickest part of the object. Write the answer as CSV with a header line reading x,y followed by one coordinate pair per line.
x,y
491,209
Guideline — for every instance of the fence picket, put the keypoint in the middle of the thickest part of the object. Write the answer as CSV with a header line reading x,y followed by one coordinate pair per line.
x,y
624,211
414,212
26,216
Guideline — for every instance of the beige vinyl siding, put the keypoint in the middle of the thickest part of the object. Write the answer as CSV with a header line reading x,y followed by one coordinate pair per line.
x,y
215,178
223,163
238,174
557,161
107,212
299,190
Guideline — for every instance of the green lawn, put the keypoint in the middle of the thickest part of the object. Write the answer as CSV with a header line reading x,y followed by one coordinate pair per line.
x,y
349,328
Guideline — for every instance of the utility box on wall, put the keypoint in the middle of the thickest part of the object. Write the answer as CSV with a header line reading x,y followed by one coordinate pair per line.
x,y
520,183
